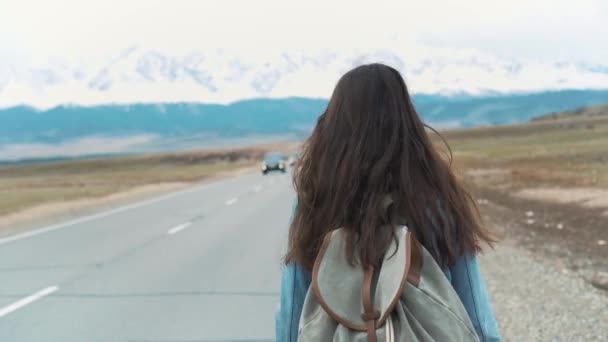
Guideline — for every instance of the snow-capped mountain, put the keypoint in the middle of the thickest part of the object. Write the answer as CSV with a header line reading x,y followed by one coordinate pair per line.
x,y
138,75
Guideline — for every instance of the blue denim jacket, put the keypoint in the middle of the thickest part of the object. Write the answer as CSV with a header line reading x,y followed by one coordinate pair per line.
x,y
464,276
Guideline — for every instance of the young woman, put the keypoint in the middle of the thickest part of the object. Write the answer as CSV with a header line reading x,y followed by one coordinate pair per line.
x,y
369,144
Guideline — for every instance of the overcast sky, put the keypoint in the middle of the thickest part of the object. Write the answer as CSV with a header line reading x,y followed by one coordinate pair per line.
x,y
546,30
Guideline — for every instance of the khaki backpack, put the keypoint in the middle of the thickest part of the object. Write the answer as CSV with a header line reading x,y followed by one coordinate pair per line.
x,y
408,299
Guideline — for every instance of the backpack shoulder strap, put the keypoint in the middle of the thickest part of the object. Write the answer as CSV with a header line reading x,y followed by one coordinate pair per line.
x,y
369,316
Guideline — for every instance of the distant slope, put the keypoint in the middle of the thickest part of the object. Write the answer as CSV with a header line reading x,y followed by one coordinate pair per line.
x,y
583,112
503,109
188,125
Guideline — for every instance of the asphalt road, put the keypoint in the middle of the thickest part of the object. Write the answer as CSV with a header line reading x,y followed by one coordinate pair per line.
x,y
199,265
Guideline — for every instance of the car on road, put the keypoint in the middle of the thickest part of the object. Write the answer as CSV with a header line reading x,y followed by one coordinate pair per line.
x,y
274,161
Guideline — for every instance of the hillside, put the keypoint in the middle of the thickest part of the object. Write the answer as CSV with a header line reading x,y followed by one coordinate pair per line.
x,y
584,112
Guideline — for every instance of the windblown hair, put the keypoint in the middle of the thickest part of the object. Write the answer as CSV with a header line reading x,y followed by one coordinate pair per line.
x,y
367,144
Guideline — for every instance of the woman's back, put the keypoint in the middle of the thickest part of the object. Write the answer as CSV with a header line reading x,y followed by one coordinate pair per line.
x,y
368,145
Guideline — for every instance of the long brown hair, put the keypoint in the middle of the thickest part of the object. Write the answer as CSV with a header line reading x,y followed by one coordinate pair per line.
x,y
367,144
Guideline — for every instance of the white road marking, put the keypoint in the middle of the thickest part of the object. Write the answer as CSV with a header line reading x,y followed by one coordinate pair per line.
x,y
257,188
103,214
27,300
232,201
179,228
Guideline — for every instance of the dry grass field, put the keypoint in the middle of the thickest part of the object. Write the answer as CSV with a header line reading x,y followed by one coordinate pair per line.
x,y
31,185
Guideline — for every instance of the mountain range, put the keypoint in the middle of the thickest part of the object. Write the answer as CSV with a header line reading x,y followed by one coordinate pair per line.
x,y
140,75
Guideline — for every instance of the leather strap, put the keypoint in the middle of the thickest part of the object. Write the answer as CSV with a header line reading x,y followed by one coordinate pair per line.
x,y
369,316
413,276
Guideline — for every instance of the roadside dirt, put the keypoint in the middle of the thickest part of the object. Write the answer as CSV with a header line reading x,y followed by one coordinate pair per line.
x,y
573,237
586,197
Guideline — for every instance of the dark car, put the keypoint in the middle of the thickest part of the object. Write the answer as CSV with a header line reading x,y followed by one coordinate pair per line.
x,y
273,161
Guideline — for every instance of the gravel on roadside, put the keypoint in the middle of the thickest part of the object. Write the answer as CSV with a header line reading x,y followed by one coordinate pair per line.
x,y
536,301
